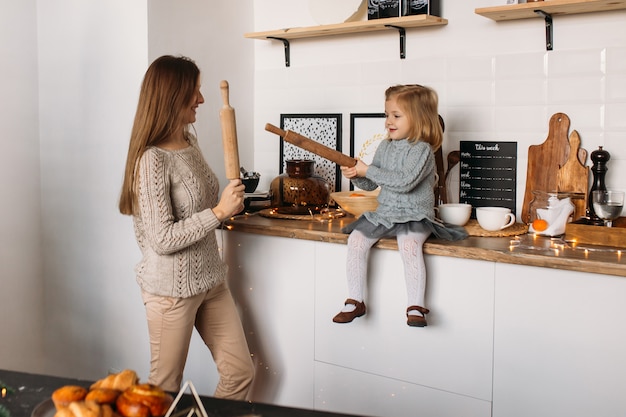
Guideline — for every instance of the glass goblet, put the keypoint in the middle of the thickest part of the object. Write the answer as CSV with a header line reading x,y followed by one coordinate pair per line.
x,y
608,205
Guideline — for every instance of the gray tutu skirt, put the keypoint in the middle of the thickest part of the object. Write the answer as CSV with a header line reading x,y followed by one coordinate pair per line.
x,y
374,231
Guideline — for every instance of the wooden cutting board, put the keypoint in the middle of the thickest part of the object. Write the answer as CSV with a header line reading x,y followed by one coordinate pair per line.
x,y
573,176
545,160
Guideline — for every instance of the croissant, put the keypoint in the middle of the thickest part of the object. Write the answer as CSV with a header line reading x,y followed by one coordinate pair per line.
x,y
103,395
86,409
119,381
144,400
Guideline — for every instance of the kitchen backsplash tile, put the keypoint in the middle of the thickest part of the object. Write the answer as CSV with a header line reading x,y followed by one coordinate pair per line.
x,y
470,93
524,65
615,60
516,119
470,68
584,89
616,87
583,62
614,118
520,92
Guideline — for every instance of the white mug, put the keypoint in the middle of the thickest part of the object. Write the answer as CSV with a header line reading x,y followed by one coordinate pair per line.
x,y
452,213
494,218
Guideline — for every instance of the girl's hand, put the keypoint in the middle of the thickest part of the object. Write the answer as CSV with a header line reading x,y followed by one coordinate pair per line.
x,y
359,170
348,172
231,201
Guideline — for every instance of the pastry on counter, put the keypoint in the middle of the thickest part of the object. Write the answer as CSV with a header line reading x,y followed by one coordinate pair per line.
x,y
64,396
103,396
120,381
144,400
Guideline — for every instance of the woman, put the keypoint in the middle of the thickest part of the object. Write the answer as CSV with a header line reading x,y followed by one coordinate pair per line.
x,y
172,195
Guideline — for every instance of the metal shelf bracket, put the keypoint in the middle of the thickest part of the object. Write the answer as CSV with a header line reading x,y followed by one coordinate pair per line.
x,y
549,28
287,52
402,33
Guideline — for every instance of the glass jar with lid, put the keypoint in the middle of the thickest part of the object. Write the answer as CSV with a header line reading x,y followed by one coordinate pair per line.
x,y
299,190
551,211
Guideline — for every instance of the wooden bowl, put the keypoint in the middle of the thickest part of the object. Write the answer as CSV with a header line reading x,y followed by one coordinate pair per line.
x,y
356,202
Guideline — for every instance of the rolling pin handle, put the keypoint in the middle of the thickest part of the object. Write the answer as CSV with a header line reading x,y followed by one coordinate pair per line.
x,y
224,90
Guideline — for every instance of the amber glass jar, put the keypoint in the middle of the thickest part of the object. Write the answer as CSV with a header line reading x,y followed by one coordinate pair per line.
x,y
299,190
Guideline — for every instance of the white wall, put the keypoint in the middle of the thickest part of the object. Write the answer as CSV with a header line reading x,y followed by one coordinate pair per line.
x,y
92,56
21,293
496,81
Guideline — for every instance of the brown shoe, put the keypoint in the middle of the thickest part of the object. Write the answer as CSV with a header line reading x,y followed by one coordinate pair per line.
x,y
347,317
416,321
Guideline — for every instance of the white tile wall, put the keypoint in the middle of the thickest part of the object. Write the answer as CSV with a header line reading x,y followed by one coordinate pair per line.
x,y
495,80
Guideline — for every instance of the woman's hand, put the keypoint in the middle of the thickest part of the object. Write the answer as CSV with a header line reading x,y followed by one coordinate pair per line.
x,y
359,170
231,201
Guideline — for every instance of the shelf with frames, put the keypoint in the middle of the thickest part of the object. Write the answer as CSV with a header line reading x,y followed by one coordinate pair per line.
x,y
547,9
398,23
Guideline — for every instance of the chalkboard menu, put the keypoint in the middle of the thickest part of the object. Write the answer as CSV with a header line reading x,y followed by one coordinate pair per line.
x,y
488,174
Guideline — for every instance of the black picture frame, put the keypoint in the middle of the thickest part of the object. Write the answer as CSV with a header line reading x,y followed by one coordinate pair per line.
x,y
324,128
366,132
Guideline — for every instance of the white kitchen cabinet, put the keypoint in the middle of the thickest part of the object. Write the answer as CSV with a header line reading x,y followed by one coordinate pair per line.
x,y
559,343
361,393
453,355
503,340
271,279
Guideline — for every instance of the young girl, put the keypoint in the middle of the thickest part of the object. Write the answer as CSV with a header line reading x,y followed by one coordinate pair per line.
x,y
404,168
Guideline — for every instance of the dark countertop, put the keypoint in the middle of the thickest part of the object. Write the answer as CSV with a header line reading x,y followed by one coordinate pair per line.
x,y
525,249
26,391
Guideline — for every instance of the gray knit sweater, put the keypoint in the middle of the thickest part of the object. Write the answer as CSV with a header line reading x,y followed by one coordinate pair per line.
x,y
405,173
175,226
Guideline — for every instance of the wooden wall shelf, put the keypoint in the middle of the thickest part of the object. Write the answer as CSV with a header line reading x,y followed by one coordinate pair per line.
x,y
551,7
547,9
347,28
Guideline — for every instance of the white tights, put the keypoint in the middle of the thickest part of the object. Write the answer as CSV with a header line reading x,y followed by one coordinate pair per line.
x,y
410,247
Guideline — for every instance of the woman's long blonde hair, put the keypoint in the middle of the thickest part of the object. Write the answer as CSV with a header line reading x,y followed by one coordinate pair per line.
x,y
420,104
168,87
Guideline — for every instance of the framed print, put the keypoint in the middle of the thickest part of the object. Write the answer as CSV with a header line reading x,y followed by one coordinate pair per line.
x,y
366,132
322,128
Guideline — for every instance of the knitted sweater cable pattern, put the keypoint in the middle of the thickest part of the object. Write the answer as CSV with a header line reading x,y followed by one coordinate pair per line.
x,y
175,226
405,173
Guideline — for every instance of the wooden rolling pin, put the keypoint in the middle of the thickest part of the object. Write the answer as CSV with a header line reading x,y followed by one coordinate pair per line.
x,y
312,146
229,135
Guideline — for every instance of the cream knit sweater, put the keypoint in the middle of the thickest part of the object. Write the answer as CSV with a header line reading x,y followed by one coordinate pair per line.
x,y
175,226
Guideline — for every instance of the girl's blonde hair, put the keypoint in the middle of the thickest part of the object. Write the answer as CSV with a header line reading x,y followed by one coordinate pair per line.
x,y
420,104
168,87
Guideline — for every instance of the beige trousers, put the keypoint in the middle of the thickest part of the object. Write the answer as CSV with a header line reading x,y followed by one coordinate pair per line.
x,y
170,324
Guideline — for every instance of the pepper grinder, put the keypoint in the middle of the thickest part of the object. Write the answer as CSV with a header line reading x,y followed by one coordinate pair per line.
x,y
599,157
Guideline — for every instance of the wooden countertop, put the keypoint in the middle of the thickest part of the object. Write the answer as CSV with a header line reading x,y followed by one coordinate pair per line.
x,y
522,250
